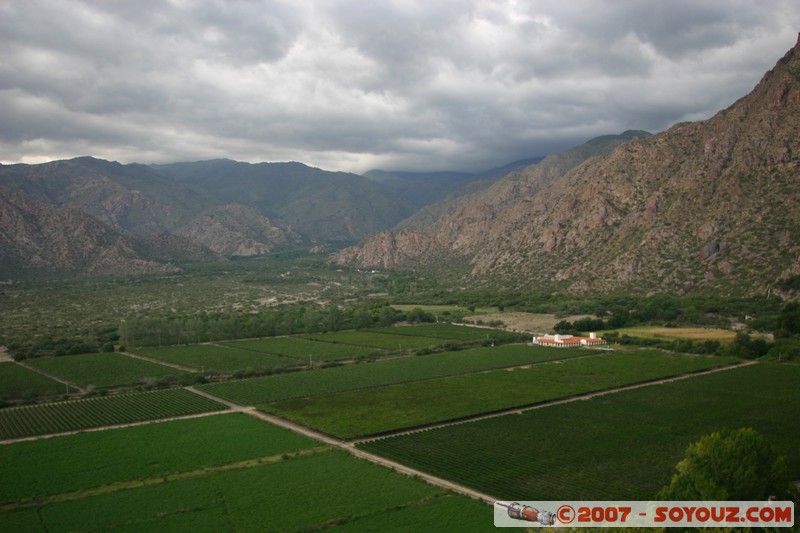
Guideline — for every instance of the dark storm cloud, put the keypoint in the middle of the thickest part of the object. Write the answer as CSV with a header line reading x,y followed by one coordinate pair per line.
x,y
354,85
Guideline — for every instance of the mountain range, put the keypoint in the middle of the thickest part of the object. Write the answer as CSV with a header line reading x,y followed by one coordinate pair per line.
x,y
124,219
709,205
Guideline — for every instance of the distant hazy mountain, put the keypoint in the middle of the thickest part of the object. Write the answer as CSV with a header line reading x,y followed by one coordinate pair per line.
x,y
319,205
705,205
425,188
420,188
136,218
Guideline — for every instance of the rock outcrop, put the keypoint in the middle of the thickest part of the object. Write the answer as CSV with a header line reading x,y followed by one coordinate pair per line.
x,y
711,204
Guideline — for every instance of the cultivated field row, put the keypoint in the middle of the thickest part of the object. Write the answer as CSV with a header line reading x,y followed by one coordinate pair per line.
x,y
623,445
231,453
174,365
351,414
102,411
243,475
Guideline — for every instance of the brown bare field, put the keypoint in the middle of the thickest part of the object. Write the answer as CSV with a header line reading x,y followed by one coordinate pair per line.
x,y
694,334
526,322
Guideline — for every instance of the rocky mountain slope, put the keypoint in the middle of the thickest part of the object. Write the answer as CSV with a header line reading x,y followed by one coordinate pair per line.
x,y
520,180
236,230
454,228
705,205
130,199
154,219
37,238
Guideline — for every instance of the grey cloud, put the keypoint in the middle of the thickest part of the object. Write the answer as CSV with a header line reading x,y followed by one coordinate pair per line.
x,y
461,84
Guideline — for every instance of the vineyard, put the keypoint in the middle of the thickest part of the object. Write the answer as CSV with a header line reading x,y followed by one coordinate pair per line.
x,y
440,514
104,370
243,475
234,472
301,349
383,341
109,370
19,382
383,372
452,332
212,358
620,446
43,419
269,497
77,462
352,414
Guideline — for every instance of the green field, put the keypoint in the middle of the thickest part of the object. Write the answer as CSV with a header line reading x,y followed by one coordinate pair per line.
x,y
104,370
384,372
305,493
212,358
301,349
19,382
621,446
76,462
242,475
448,331
59,417
356,413
452,513
381,341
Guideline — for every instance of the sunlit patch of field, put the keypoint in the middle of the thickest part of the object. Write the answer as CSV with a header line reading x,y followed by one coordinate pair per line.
x,y
529,322
694,334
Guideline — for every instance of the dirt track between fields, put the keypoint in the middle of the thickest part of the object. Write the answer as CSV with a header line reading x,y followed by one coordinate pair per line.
x,y
119,426
350,446
51,376
159,362
550,403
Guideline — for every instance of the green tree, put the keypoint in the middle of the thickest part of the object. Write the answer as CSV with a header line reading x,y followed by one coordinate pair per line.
x,y
745,346
386,317
418,315
730,464
334,318
789,319
564,326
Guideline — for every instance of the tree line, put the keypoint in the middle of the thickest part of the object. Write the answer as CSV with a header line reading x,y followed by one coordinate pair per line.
x,y
149,331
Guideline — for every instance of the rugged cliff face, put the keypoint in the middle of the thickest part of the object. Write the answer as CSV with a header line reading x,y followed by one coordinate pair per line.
x,y
36,238
236,230
706,204
200,211
130,199
455,228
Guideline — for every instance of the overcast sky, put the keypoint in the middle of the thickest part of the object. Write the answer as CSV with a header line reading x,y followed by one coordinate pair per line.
x,y
360,84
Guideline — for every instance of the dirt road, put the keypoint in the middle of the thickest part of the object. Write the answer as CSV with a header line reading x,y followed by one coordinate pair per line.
x,y
350,446
51,376
160,362
115,426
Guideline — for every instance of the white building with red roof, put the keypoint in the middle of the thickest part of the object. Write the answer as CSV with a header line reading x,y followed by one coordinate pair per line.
x,y
568,341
